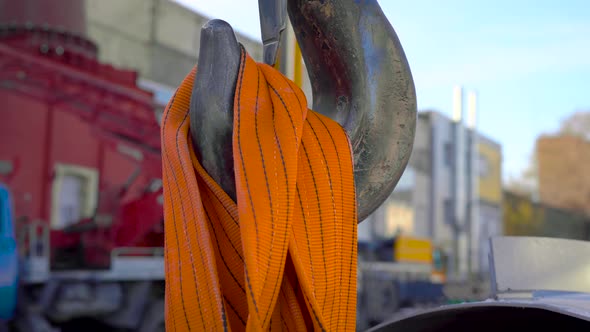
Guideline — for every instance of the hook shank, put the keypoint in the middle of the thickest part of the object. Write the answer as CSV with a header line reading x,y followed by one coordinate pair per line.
x,y
361,78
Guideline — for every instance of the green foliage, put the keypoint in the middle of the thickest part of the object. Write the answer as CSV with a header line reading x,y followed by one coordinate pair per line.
x,y
525,218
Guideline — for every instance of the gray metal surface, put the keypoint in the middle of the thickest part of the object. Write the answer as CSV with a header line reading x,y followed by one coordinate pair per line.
x,y
34,322
469,291
463,314
35,255
136,298
154,320
212,103
360,77
82,299
535,280
122,269
414,271
273,21
523,265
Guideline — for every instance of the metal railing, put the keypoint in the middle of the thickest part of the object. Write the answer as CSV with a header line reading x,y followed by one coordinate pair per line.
x,y
137,251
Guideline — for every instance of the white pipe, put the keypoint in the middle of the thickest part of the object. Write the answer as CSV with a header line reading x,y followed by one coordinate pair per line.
x,y
474,176
457,103
471,109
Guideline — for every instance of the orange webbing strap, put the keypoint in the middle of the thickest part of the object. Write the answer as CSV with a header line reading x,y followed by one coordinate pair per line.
x,y
284,257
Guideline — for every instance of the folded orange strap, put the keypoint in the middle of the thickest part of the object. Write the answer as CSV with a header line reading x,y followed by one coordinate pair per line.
x,y
284,257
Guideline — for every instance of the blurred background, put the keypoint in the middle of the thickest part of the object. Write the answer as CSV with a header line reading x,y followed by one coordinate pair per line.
x,y
502,147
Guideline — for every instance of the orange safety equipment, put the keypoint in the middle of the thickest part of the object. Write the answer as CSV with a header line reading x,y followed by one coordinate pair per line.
x,y
284,258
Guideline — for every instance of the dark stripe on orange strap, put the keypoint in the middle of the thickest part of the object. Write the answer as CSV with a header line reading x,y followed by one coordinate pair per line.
x,y
281,256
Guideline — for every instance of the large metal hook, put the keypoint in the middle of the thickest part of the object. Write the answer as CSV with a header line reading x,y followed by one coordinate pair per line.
x,y
359,74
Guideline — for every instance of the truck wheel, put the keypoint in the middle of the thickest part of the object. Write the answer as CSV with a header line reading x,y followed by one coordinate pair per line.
x,y
382,301
362,322
153,319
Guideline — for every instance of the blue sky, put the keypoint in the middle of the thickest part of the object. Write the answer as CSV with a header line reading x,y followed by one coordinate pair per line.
x,y
529,61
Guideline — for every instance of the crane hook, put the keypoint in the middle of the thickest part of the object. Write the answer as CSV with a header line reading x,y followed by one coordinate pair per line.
x,y
359,74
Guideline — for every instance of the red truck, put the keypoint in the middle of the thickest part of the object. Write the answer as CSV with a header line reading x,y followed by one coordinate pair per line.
x,y
80,154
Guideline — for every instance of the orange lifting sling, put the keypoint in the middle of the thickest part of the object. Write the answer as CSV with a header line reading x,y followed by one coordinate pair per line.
x,y
284,257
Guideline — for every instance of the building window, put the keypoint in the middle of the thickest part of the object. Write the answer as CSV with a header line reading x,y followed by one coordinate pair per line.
x,y
398,219
448,154
74,195
483,166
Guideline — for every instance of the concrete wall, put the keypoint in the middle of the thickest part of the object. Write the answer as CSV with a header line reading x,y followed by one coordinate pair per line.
x,y
159,38
490,225
421,162
485,220
441,185
422,205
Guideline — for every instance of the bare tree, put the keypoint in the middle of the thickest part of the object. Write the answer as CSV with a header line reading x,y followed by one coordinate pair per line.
x,y
525,183
577,123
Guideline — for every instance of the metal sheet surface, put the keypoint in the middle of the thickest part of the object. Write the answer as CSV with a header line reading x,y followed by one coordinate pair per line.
x,y
528,264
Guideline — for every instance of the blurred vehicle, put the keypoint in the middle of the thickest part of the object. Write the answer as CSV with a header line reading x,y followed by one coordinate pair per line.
x,y
80,156
396,273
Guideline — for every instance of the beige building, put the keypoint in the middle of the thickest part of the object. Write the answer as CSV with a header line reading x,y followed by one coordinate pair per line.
x,y
423,204
563,177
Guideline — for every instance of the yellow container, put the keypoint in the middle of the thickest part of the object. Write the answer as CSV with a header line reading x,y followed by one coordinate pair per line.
x,y
415,250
